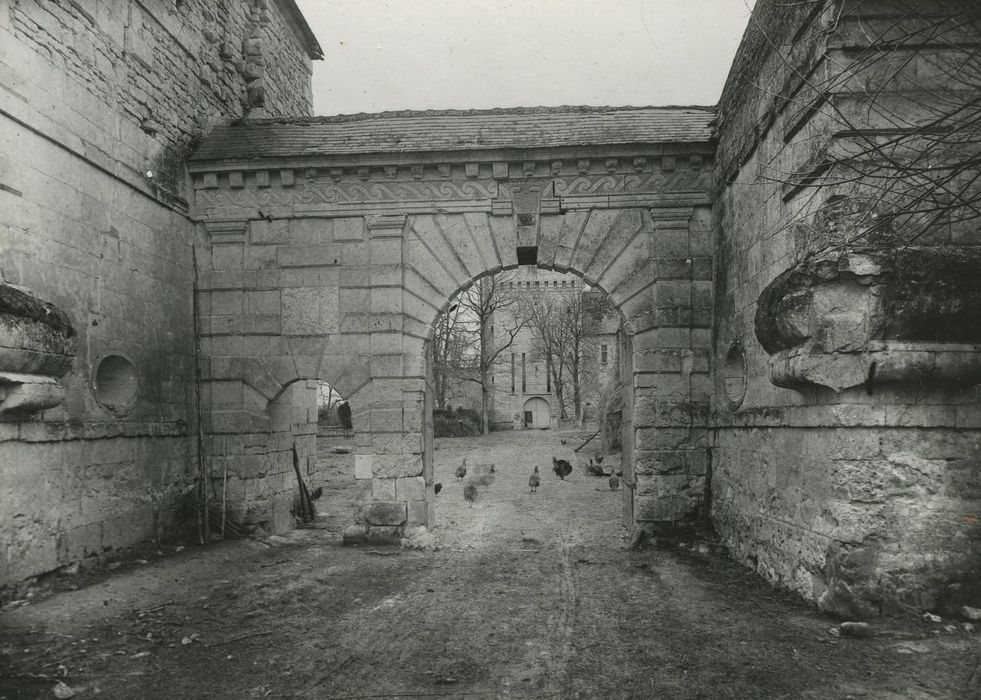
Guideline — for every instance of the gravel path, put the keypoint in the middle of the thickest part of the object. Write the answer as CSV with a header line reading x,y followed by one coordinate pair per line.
x,y
530,596
581,509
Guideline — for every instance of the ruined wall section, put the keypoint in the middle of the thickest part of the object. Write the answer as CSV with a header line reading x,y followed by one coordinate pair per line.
x,y
846,458
98,454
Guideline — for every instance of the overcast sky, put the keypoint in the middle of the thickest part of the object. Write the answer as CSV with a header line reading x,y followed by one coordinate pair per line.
x,y
439,54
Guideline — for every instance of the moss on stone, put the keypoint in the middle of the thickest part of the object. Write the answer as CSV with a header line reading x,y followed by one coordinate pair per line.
x,y
21,305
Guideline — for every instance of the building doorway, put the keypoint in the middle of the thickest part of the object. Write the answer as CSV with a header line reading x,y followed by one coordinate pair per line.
x,y
537,413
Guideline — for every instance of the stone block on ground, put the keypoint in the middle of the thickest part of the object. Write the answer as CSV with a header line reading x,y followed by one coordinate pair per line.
x,y
391,513
419,538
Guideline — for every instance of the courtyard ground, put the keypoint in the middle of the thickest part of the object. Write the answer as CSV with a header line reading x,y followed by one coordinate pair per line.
x,y
530,595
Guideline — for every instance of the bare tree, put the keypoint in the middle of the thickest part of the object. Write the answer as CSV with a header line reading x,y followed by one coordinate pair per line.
x,y
449,346
482,342
572,317
544,316
561,330
896,89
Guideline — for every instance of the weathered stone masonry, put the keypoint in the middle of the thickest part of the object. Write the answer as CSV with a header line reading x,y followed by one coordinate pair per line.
x,y
335,243
814,388
97,439
845,407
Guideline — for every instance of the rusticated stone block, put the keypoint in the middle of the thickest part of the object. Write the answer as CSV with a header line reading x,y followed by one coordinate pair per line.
x,y
309,311
660,462
662,508
391,513
384,534
396,465
411,488
418,513
383,489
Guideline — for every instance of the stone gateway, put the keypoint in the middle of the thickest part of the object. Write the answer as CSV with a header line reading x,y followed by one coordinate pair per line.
x,y
185,252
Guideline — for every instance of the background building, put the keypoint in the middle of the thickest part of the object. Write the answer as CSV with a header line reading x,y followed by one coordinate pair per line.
x,y
525,394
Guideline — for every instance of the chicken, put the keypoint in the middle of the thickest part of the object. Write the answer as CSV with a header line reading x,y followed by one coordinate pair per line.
x,y
470,494
461,471
595,469
562,442
614,482
534,480
482,474
561,467
437,487
317,493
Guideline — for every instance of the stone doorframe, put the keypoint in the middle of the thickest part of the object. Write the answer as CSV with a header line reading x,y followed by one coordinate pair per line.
x,y
321,268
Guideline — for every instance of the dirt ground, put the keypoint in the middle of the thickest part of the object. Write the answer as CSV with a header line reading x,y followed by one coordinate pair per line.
x,y
530,595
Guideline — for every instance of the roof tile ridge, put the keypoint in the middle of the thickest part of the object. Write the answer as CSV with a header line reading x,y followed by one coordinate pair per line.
x,y
495,111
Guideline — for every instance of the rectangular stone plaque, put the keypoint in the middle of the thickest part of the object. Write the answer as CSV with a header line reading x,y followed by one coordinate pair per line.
x,y
362,466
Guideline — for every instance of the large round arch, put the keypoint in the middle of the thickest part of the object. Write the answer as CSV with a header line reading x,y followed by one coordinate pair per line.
x,y
342,274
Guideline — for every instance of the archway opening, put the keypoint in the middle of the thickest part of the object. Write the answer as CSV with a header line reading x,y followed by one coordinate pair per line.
x,y
524,368
330,477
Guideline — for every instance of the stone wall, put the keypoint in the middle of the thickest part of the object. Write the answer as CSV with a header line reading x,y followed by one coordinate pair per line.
x,y
320,270
846,460
99,104
254,470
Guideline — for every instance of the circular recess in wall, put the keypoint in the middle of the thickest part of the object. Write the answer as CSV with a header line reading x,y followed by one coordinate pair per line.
x,y
116,384
734,375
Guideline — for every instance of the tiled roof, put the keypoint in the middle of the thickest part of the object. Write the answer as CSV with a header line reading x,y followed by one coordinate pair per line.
x,y
441,131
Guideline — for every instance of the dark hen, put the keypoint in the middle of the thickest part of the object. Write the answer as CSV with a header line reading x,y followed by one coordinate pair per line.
x,y
534,480
561,467
596,470
461,471
437,487
470,494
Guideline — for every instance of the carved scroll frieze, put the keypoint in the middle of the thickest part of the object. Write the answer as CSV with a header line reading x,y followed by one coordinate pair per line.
x,y
384,190
329,195
654,183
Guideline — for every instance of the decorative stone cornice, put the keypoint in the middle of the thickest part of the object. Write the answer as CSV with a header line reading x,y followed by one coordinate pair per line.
x,y
226,231
671,216
897,363
28,393
224,192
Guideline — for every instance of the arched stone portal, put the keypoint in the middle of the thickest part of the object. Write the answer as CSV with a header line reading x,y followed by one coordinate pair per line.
x,y
331,244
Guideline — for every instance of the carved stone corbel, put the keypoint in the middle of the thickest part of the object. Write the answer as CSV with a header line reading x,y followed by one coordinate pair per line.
x,y
37,346
867,316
